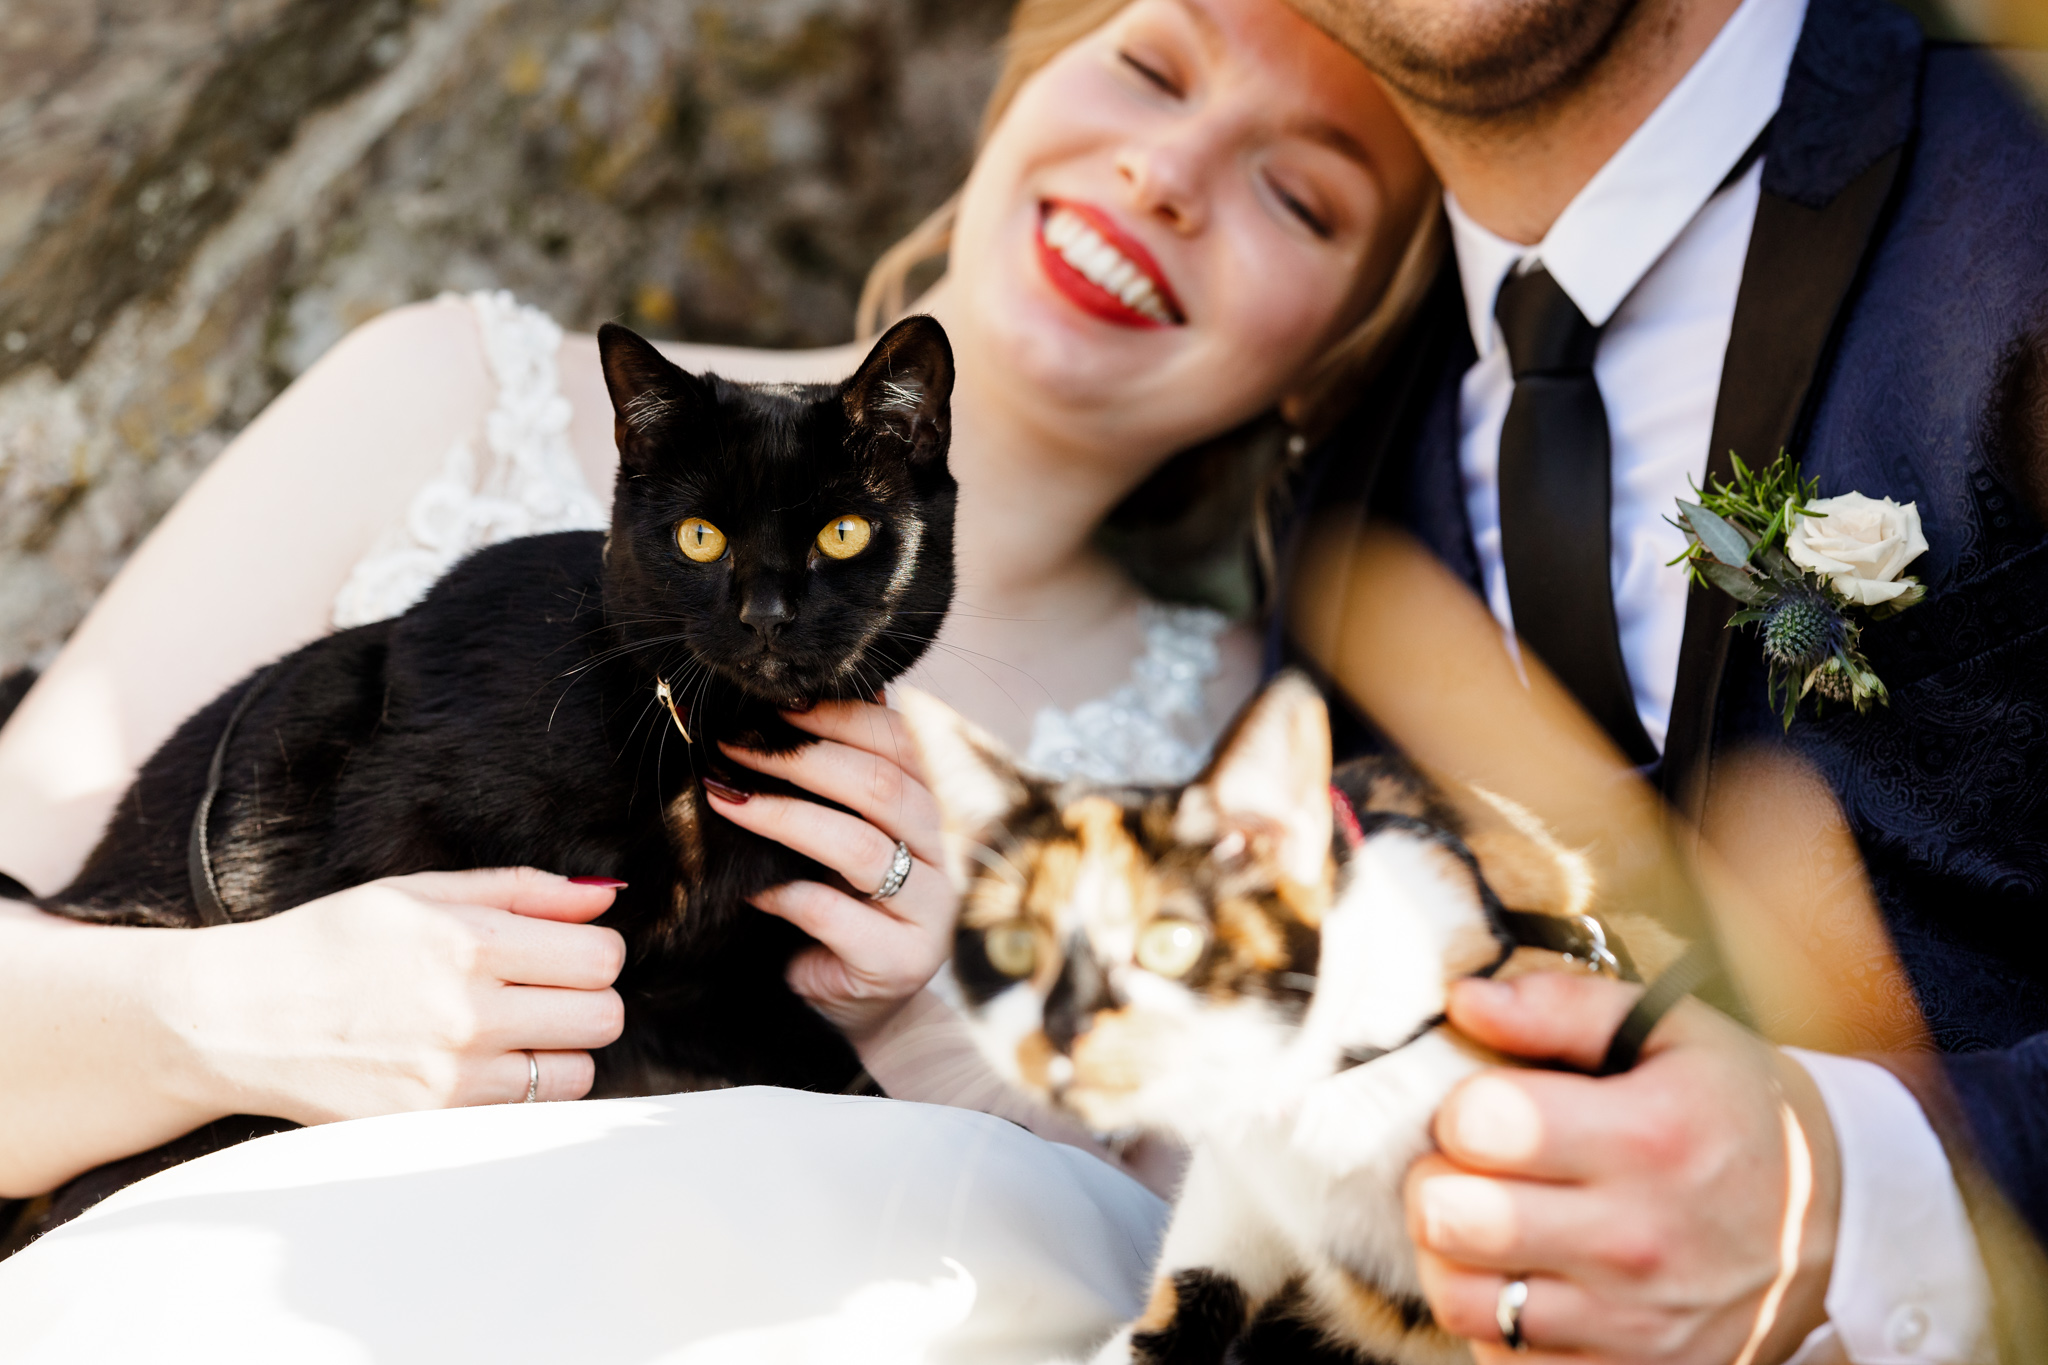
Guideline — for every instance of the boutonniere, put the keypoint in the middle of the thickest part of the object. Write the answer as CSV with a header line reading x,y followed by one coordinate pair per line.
x,y
1810,569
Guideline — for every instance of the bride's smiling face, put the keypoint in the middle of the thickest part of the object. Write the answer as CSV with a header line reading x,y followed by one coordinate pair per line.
x,y
1174,216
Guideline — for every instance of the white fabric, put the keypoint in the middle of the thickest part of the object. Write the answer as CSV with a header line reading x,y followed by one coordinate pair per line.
x,y
1654,250
1150,729
1909,1286
770,1227
529,485
1637,251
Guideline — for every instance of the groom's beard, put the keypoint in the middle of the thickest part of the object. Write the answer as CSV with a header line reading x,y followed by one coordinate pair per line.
x,y
1474,60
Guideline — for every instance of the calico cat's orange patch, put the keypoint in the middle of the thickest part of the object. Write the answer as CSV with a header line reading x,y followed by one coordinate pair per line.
x,y
1034,1060
1120,1049
1370,1319
1160,1308
1245,928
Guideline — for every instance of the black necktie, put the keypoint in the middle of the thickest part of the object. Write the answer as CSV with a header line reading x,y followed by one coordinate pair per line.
x,y
1554,500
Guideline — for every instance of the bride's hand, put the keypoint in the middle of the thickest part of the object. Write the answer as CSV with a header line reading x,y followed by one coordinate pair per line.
x,y
416,992
872,956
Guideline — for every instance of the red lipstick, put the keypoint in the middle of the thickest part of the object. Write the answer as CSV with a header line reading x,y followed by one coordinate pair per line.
x,y
1102,269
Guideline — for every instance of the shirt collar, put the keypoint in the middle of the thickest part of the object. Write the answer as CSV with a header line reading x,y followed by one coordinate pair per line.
x,y
1636,205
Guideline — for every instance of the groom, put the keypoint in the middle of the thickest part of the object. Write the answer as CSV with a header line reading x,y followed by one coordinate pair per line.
x,y
1693,227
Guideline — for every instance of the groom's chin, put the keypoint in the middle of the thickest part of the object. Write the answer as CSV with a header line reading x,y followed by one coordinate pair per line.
x,y
1477,59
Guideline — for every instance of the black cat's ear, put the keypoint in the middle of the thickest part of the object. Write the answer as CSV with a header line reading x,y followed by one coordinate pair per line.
x,y
651,395
1270,777
970,775
905,387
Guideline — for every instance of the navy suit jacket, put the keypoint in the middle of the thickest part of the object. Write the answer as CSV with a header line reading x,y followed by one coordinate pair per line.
x,y
1896,286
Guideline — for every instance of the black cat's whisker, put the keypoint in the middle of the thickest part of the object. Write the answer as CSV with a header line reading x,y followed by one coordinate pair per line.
x,y
575,674
998,863
971,658
618,651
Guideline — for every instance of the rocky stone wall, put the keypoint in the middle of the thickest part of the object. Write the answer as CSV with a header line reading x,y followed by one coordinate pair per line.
x,y
198,197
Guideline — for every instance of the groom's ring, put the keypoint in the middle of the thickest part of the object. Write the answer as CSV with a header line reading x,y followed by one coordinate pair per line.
x,y
899,873
532,1077
1507,1313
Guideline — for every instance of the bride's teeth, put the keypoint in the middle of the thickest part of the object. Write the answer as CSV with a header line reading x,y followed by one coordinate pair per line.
x,y
1102,264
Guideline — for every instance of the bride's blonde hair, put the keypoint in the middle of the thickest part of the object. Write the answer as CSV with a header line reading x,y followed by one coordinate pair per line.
x,y
1192,489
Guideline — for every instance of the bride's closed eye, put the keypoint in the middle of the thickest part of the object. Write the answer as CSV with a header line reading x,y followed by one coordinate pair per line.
x,y
1314,220
1153,71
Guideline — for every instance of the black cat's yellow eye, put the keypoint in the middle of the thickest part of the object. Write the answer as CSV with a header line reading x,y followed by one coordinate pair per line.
x,y
1171,947
700,540
844,537
1012,949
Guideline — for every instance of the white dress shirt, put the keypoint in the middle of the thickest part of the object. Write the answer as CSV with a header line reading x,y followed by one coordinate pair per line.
x,y
1652,249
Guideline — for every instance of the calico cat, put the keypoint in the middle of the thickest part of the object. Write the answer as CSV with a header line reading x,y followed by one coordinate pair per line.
x,y
1260,971
559,701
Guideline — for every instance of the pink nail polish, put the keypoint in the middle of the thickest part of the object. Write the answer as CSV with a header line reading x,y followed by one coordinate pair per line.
x,y
613,882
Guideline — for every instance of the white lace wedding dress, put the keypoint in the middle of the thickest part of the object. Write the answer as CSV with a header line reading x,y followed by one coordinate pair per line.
x,y
747,1225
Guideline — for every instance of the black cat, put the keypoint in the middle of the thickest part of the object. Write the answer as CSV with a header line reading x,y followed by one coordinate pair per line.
x,y
558,702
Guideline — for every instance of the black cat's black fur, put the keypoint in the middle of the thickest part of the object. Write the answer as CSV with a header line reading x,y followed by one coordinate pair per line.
x,y
512,717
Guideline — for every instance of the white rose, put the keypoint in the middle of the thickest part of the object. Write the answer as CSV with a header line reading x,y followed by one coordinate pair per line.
x,y
1860,544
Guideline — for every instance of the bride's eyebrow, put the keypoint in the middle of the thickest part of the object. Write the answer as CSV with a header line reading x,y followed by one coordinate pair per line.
x,y
1327,134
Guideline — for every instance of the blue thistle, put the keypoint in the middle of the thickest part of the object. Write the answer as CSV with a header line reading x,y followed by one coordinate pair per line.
x,y
1802,631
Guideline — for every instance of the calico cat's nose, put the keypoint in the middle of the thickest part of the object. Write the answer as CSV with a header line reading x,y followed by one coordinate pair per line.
x,y
1081,993
766,611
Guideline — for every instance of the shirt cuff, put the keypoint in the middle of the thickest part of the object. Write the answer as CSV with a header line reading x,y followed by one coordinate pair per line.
x,y
1908,1286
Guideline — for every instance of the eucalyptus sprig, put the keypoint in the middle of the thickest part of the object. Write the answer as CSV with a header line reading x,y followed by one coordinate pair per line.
x,y
1736,534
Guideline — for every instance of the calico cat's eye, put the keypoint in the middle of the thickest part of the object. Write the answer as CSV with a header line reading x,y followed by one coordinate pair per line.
x,y
844,537
700,540
1012,949
1171,947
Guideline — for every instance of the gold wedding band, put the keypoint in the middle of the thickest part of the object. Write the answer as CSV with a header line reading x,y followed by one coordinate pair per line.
x,y
532,1076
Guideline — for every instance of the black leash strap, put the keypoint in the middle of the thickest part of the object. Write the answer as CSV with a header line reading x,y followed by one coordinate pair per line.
x,y
1692,970
198,858
1581,937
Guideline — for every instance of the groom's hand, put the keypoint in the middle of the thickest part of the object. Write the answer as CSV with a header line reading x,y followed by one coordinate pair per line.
x,y
1647,1212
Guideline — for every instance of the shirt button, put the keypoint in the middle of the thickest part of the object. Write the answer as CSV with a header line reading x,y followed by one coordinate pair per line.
x,y
1906,1328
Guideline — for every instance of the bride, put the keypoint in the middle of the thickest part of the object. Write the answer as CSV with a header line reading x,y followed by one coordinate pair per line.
x,y
1188,220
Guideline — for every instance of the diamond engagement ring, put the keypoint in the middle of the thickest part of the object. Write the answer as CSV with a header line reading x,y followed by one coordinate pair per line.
x,y
1507,1313
899,873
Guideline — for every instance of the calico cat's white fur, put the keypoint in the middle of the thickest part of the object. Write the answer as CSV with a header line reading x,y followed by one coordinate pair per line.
x,y
1221,963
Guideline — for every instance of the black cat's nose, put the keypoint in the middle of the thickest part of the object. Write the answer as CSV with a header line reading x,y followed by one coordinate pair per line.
x,y
766,611
1081,993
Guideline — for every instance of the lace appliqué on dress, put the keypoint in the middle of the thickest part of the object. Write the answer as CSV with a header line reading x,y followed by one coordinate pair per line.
x,y
529,485
1152,728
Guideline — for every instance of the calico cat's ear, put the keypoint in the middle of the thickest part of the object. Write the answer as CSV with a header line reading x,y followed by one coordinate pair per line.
x,y
905,387
650,394
970,775
1271,775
